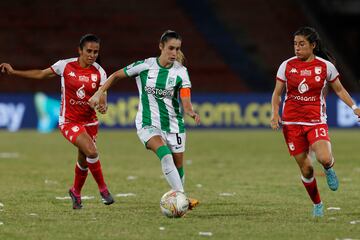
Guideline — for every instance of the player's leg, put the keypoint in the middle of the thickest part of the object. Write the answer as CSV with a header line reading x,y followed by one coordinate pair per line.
x,y
158,146
178,160
309,182
298,147
153,139
71,131
86,145
176,143
81,172
322,149
320,144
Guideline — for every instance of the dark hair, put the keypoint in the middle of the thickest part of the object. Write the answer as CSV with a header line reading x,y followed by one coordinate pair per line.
x,y
170,34
88,38
313,37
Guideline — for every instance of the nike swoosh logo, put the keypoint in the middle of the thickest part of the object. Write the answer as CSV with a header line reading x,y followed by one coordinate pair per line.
x,y
168,172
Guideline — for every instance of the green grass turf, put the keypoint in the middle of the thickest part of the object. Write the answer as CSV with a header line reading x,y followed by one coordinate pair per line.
x,y
267,199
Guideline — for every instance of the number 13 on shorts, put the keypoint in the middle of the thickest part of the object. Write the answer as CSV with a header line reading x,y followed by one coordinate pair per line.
x,y
319,132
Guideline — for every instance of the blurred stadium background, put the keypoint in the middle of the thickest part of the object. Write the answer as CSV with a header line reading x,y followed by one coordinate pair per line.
x,y
232,47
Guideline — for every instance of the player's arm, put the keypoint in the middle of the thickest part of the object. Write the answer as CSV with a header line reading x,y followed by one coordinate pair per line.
x,y
185,96
36,73
344,95
95,99
275,104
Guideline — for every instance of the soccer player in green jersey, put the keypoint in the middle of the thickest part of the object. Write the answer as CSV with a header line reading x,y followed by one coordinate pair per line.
x,y
161,81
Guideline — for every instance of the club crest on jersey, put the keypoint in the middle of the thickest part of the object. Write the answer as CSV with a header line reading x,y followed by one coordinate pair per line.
x,y
303,87
80,93
317,70
291,146
94,77
75,128
171,82
305,72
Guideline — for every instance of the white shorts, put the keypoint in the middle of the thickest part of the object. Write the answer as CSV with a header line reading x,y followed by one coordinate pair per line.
x,y
175,141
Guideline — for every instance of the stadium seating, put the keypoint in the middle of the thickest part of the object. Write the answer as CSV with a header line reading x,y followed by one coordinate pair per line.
x,y
38,33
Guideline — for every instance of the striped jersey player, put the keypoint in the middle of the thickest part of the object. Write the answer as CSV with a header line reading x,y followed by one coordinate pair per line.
x,y
159,89
164,90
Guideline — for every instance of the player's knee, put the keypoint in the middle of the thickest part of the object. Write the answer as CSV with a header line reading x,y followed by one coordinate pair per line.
x,y
325,159
91,152
307,171
329,162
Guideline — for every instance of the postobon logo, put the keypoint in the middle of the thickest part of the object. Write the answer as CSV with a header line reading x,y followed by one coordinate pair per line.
x,y
159,93
303,87
80,93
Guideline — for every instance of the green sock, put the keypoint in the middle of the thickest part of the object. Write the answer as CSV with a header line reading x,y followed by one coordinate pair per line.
x,y
182,174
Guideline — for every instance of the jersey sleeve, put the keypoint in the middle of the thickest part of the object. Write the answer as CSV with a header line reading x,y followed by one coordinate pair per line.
x,y
58,67
103,76
332,72
280,75
184,75
135,68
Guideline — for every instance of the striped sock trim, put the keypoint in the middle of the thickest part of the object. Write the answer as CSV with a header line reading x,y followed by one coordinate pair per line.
x,y
307,180
331,165
81,168
162,151
92,160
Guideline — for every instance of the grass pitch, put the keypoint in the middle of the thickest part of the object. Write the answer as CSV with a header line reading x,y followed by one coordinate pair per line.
x,y
248,185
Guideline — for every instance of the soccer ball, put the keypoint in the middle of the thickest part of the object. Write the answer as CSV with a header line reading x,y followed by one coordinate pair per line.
x,y
174,204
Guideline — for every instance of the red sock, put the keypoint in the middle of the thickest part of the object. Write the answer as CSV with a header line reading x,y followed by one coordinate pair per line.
x,y
95,169
311,188
80,177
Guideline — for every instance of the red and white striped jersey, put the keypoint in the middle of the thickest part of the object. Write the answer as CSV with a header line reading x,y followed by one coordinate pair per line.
x,y
77,86
306,87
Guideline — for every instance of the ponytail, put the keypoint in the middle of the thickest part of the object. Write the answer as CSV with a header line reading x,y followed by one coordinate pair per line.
x,y
180,57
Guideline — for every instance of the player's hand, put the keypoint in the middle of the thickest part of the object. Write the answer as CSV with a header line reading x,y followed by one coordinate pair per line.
x,y
102,108
197,119
6,68
94,100
357,112
275,122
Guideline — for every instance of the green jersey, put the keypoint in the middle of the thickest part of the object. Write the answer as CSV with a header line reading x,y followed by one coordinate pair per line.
x,y
159,88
